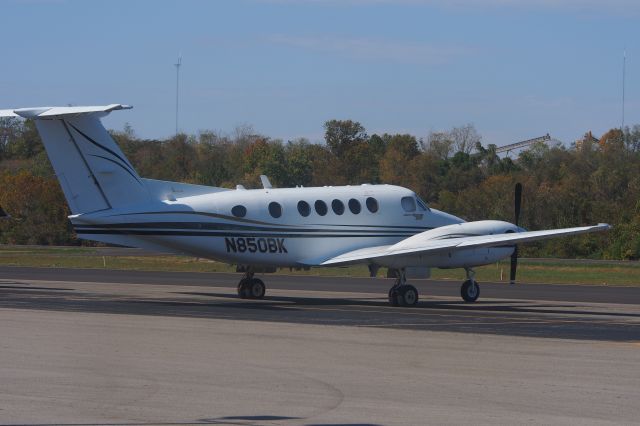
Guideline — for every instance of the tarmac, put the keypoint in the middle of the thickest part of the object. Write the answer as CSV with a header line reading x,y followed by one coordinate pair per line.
x,y
94,347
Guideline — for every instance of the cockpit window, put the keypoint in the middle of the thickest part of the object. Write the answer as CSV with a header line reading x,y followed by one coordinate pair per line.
x,y
408,204
422,205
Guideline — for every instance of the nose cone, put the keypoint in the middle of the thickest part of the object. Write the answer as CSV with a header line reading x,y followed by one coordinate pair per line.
x,y
445,218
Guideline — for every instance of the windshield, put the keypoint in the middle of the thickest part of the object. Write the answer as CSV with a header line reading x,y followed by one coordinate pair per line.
x,y
421,204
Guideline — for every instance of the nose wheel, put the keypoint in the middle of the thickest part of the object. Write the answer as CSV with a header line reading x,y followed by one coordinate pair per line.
x,y
403,294
470,290
250,287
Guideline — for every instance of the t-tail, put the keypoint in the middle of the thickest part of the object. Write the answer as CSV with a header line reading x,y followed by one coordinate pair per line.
x,y
93,172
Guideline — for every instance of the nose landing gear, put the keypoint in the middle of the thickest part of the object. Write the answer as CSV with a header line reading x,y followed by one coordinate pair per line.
x,y
402,294
470,290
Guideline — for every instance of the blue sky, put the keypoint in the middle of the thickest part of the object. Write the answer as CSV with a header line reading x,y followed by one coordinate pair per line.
x,y
514,68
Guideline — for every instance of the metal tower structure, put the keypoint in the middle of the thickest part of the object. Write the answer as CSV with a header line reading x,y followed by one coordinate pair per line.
x,y
178,65
523,144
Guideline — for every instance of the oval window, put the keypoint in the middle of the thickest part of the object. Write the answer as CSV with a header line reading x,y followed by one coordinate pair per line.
x,y
338,207
304,208
408,204
321,207
372,204
239,211
354,206
275,209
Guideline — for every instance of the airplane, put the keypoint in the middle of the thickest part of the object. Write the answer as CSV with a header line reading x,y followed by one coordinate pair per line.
x,y
262,229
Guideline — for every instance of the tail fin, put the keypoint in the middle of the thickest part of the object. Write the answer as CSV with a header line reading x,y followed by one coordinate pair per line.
x,y
92,170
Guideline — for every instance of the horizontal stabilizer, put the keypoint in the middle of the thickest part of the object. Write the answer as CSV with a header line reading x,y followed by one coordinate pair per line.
x,y
58,112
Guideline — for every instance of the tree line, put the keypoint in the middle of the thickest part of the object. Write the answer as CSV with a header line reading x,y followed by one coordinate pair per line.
x,y
591,181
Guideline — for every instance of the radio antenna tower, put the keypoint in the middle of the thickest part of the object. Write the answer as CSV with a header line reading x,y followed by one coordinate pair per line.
x,y
177,65
624,66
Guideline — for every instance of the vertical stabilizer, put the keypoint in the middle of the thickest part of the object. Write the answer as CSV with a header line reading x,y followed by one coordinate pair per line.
x,y
92,170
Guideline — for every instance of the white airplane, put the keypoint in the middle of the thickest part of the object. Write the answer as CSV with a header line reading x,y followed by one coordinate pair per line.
x,y
261,229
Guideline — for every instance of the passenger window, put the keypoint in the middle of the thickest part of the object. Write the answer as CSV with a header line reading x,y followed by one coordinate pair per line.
x,y
304,208
372,204
354,206
408,204
337,206
275,209
239,211
321,207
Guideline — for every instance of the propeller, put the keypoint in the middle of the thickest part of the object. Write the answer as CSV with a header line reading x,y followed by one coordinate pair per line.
x,y
514,256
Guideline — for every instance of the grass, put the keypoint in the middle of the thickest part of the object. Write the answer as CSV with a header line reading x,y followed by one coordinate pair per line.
x,y
529,270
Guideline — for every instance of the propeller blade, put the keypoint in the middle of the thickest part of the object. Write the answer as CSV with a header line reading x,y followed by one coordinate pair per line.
x,y
518,202
514,266
514,257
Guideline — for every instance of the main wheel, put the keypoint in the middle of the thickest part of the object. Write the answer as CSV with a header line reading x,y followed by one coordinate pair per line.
x,y
407,295
393,296
470,291
256,289
404,295
242,288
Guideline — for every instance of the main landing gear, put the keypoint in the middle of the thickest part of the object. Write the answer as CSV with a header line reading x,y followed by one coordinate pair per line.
x,y
250,287
402,294
470,289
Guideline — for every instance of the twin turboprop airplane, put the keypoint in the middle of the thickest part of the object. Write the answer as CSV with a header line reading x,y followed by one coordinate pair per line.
x,y
261,229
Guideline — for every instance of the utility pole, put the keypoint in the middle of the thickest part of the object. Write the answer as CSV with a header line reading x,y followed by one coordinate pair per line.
x,y
177,65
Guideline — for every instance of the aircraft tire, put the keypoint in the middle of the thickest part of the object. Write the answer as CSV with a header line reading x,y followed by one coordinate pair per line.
x,y
393,297
256,289
407,295
470,291
242,288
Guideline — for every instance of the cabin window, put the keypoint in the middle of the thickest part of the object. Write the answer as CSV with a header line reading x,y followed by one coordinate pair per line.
x,y
321,207
239,211
275,209
408,204
354,206
372,204
338,207
304,208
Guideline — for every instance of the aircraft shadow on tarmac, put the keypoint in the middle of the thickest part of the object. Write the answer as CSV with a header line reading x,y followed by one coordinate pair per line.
x,y
274,302
227,420
502,317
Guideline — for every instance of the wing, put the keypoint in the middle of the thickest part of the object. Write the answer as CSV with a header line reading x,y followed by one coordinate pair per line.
x,y
8,113
415,245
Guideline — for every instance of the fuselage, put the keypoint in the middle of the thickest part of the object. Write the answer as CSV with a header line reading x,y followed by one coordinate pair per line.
x,y
288,227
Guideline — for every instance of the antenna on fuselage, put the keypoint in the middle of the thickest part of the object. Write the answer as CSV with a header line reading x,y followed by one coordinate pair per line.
x,y
265,182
